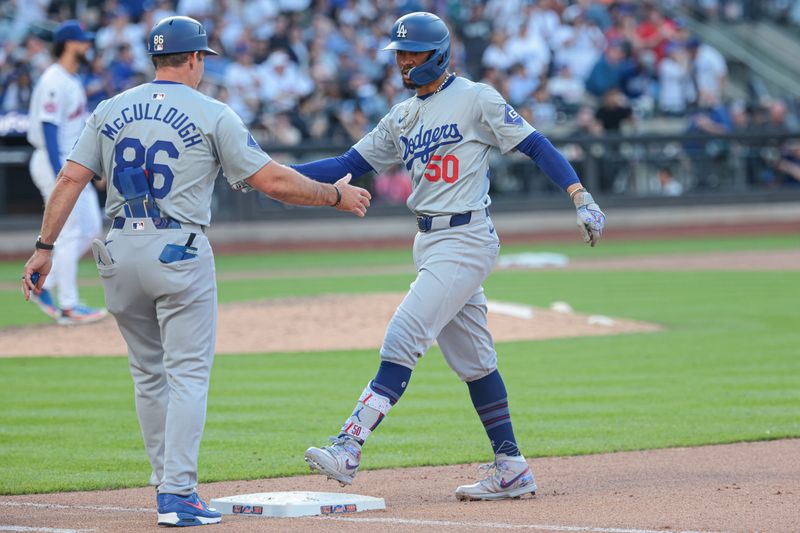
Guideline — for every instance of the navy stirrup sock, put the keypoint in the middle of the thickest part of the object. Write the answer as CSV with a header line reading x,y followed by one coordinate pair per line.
x,y
491,402
378,397
391,380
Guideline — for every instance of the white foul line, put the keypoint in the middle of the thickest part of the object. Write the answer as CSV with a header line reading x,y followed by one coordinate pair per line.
x,y
4,527
366,520
447,523
82,507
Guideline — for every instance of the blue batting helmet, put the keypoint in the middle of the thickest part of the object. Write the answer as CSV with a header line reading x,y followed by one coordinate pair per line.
x,y
175,35
423,32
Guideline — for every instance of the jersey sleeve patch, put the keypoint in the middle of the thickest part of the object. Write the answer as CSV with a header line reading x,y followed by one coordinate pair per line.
x,y
512,117
251,141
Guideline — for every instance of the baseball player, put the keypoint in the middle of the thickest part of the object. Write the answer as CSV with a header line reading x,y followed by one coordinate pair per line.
x,y
57,116
443,135
162,145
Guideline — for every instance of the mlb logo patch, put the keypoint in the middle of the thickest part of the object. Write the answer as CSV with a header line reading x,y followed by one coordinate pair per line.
x,y
159,96
138,225
512,117
158,43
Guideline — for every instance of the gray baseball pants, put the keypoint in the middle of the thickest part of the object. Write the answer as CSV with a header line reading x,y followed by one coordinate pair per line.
x,y
167,314
446,301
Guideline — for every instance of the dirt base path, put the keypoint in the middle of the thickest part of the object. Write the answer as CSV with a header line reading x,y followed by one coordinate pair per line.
x,y
304,324
735,487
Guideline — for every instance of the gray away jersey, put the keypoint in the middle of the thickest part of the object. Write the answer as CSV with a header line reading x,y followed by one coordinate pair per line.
x,y
180,136
444,142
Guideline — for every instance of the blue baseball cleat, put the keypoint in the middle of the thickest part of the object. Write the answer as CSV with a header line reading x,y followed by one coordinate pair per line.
x,y
177,510
45,302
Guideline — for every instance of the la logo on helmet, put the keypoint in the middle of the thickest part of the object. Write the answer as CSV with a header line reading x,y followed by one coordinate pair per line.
x,y
401,31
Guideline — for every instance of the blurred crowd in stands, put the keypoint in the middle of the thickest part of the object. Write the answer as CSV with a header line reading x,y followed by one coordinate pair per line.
x,y
312,71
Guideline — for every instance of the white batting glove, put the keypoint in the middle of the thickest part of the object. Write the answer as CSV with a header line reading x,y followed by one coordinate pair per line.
x,y
591,220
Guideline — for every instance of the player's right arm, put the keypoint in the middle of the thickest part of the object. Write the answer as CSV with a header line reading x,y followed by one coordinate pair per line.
x,y
247,166
331,169
70,182
50,114
373,153
289,186
50,133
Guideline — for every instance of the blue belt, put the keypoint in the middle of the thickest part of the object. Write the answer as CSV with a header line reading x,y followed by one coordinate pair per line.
x,y
158,222
425,222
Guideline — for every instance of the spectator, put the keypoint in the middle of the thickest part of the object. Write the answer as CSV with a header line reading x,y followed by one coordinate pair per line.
x,y
18,90
521,85
123,74
543,111
788,165
676,91
668,185
586,124
496,55
709,158
609,71
712,117
282,83
98,83
476,34
709,70
578,45
614,111
243,83
587,127
594,13
120,31
529,48
567,90
655,33
773,117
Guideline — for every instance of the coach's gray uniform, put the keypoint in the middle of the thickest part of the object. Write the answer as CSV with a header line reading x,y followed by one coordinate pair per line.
x,y
167,311
444,141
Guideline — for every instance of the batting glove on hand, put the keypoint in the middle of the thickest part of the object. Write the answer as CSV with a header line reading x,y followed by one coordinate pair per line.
x,y
591,220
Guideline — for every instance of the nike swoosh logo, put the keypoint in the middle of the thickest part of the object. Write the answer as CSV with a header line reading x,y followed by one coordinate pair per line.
x,y
505,484
198,506
348,466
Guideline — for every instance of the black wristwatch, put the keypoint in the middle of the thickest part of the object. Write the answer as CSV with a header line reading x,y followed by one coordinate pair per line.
x,y
42,245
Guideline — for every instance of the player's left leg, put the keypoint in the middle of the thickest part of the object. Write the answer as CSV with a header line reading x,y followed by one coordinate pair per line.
x,y
449,271
340,459
135,314
186,298
468,349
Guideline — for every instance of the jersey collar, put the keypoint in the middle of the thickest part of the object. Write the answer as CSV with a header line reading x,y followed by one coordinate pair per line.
x,y
166,82
447,83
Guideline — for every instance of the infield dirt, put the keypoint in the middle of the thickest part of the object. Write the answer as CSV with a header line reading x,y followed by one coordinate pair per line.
x,y
733,487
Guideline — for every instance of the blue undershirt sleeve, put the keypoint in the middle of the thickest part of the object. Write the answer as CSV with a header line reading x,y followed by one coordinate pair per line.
x,y
332,169
51,143
551,161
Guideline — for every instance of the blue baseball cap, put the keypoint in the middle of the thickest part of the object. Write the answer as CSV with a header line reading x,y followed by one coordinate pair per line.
x,y
71,30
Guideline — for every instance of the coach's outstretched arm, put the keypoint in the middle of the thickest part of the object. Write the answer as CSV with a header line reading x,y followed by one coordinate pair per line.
x,y
287,185
591,220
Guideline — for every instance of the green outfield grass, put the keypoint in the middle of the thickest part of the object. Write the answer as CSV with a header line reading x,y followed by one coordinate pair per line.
x,y
725,369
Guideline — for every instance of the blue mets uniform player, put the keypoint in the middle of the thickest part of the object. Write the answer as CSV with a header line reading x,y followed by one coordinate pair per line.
x,y
443,136
161,145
